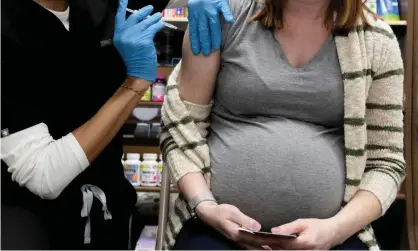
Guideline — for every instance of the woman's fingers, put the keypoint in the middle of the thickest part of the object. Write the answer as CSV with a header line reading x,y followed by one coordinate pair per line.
x,y
243,220
243,239
295,227
235,219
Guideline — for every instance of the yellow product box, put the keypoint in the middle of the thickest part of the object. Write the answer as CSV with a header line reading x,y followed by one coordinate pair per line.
x,y
147,95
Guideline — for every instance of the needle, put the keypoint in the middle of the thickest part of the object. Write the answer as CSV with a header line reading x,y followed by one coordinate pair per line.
x,y
166,24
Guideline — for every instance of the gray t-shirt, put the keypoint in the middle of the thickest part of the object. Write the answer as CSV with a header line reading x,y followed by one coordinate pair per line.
x,y
276,140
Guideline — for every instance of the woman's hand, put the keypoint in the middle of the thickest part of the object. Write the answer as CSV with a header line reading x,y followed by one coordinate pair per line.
x,y
227,219
204,24
134,40
313,234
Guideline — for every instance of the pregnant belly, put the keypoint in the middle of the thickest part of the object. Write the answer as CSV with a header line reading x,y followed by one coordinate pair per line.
x,y
277,170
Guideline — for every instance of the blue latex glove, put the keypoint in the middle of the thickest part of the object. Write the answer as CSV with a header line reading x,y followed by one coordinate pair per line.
x,y
134,40
204,24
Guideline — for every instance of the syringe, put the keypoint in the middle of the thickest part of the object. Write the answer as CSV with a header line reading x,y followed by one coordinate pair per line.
x,y
166,24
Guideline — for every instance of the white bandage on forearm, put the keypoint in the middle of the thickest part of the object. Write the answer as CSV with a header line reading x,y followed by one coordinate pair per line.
x,y
177,4
44,165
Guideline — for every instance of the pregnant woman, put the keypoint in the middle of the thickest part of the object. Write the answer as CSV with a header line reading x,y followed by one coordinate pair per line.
x,y
305,108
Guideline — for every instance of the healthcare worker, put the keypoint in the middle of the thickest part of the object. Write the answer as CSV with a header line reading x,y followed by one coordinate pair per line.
x,y
72,73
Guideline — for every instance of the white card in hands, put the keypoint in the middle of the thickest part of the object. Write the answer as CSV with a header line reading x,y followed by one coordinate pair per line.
x,y
267,234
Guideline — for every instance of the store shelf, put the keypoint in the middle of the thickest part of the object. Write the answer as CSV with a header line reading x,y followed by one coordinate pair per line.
x,y
141,149
175,19
149,103
397,23
130,140
165,70
154,189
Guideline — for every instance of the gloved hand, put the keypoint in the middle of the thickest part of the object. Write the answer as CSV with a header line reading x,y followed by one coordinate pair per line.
x,y
204,24
134,40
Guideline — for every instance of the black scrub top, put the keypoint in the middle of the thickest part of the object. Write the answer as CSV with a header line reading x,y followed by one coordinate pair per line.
x,y
61,78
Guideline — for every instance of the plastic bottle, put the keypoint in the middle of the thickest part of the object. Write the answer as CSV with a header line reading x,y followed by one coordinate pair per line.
x,y
180,12
158,89
149,170
131,169
160,171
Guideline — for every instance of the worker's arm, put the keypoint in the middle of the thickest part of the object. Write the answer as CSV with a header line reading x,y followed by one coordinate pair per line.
x,y
46,166
95,134
133,39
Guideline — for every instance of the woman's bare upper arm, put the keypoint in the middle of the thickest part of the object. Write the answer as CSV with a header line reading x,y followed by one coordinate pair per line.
x,y
198,74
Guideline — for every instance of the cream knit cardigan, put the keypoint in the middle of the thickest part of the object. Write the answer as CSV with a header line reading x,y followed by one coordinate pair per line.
x,y
372,72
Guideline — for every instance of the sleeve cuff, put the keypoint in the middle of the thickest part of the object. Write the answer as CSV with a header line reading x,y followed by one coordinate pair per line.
x,y
180,165
382,186
200,112
78,151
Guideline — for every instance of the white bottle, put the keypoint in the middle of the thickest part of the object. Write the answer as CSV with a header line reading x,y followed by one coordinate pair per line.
x,y
149,170
132,165
160,171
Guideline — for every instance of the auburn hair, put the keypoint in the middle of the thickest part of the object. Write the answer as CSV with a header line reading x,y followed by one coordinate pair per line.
x,y
340,15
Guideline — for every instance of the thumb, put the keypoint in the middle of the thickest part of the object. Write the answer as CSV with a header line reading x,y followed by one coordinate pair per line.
x,y
244,221
295,227
226,12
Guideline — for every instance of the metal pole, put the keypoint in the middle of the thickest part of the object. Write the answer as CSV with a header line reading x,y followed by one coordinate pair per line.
x,y
164,207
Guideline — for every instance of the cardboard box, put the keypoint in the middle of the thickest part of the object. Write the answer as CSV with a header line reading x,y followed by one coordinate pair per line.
x,y
148,239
